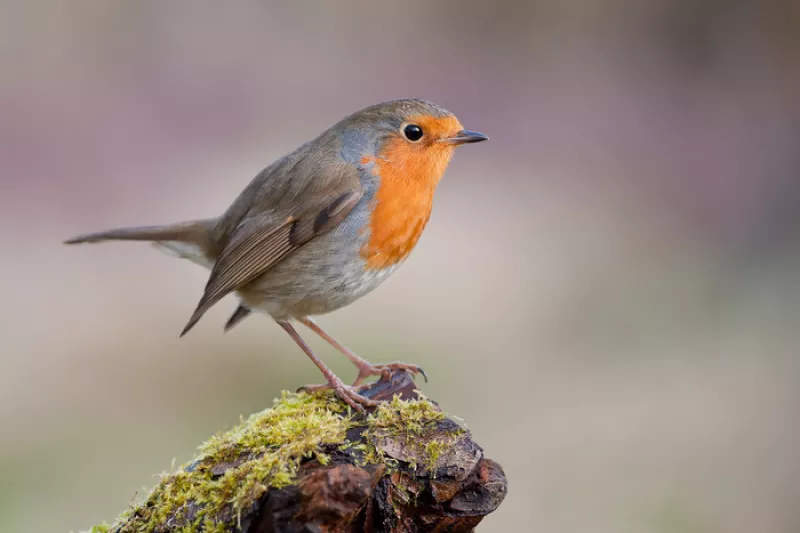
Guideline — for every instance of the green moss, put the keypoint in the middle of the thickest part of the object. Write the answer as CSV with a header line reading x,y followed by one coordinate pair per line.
x,y
234,469
433,451
412,417
418,424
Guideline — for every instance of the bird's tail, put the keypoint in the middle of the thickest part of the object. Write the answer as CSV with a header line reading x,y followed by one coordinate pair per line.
x,y
189,240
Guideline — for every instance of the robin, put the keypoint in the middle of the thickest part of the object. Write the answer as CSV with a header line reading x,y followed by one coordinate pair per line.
x,y
322,226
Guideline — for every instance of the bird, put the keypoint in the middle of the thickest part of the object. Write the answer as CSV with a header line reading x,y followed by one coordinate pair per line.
x,y
321,226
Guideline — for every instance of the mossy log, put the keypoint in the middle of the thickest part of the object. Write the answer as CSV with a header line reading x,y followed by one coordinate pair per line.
x,y
309,464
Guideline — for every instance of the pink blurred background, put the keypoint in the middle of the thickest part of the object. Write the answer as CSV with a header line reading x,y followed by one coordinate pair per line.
x,y
608,291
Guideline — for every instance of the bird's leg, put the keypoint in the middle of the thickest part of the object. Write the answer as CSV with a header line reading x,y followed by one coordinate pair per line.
x,y
365,368
345,392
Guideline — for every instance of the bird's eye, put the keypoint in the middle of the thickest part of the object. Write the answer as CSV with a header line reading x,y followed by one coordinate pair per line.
x,y
413,132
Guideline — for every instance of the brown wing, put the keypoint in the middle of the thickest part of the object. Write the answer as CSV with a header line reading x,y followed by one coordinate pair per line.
x,y
260,242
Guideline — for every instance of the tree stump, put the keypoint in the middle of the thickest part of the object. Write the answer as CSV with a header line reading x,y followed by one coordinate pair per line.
x,y
309,464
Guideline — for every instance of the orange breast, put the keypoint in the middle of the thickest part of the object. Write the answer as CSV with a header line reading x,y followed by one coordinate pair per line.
x,y
402,205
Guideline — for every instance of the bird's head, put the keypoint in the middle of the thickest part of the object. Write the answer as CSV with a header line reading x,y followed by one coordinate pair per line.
x,y
410,137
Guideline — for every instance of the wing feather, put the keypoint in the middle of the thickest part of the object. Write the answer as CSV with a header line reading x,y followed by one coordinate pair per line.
x,y
259,243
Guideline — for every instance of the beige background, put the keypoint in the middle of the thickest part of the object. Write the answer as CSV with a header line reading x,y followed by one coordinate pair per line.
x,y
608,291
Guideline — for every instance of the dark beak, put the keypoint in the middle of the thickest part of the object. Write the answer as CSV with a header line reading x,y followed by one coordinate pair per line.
x,y
464,137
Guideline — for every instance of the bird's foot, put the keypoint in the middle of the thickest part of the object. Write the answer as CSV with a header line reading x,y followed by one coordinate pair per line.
x,y
348,393
385,371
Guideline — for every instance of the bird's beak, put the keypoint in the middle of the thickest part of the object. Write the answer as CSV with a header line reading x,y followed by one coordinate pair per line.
x,y
464,137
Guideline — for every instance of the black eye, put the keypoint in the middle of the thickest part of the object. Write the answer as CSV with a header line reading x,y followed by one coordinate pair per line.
x,y
413,132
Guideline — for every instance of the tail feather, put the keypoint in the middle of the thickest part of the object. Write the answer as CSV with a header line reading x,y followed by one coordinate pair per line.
x,y
185,250
195,231
190,240
240,314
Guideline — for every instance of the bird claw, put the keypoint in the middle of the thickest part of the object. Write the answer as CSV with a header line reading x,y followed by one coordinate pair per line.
x,y
346,393
384,371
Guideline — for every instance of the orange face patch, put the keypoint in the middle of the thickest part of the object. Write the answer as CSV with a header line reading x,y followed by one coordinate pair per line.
x,y
409,173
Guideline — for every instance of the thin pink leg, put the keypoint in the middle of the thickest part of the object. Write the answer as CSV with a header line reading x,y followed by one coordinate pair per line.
x,y
345,392
365,368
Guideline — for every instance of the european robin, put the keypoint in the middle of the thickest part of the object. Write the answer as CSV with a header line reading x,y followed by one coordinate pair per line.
x,y
322,226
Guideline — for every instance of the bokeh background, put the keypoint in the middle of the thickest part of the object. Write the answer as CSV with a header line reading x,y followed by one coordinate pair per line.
x,y
608,291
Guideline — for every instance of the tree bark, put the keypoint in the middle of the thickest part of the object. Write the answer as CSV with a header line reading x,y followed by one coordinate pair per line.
x,y
395,470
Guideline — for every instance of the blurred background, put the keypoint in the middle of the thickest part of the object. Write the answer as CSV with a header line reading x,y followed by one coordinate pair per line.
x,y
608,291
